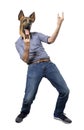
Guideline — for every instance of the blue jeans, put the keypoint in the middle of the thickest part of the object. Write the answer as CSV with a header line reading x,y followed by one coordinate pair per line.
x,y
35,73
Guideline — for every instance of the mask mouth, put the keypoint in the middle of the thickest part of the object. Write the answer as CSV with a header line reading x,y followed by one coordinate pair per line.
x,y
27,27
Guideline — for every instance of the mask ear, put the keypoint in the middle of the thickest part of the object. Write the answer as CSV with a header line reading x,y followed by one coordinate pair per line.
x,y
32,17
20,15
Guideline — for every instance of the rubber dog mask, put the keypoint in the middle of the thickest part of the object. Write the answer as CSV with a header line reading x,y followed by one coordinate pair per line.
x,y
25,22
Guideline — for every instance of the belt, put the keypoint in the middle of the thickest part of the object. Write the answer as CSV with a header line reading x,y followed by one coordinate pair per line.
x,y
39,61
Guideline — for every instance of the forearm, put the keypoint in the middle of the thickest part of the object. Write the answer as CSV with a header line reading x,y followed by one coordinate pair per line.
x,y
25,56
53,37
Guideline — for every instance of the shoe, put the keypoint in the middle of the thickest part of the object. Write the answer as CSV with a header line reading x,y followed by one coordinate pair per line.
x,y
20,117
63,118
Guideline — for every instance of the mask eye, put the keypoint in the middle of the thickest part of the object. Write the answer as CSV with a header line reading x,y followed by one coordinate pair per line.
x,y
24,20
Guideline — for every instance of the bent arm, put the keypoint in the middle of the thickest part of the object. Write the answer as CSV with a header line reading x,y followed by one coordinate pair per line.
x,y
23,50
53,37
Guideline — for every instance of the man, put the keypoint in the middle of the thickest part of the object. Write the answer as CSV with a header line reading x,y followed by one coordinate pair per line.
x,y
40,66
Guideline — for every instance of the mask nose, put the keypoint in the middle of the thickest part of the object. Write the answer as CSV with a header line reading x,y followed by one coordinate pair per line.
x,y
28,26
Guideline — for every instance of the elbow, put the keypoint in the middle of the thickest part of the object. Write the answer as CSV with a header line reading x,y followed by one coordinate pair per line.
x,y
50,40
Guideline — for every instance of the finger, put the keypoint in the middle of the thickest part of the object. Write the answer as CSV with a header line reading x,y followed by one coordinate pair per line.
x,y
58,15
62,14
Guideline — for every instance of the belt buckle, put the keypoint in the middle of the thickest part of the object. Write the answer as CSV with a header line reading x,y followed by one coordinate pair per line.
x,y
38,61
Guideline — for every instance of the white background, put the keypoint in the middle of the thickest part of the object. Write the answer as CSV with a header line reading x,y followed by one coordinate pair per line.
x,y
67,53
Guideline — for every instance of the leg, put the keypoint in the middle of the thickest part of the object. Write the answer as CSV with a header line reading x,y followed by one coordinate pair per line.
x,y
54,76
34,77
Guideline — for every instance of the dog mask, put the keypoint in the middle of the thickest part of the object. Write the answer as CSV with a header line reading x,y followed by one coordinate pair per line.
x,y
25,22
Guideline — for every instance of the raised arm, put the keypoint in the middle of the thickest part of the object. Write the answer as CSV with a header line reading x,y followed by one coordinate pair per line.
x,y
53,37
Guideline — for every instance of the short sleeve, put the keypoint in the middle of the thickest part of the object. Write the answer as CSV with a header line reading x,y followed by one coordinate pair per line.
x,y
43,38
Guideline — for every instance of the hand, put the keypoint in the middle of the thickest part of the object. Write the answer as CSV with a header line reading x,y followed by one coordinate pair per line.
x,y
26,40
60,19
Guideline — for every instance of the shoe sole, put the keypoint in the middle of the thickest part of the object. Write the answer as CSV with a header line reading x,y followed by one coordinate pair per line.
x,y
57,118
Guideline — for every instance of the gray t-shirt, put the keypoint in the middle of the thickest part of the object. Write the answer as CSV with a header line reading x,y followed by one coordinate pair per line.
x,y
36,50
